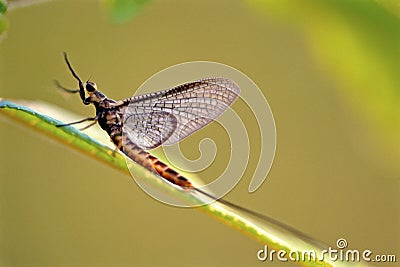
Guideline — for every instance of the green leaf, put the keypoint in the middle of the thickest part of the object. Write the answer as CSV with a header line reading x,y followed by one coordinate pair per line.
x,y
358,43
3,6
3,20
123,10
67,135
264,229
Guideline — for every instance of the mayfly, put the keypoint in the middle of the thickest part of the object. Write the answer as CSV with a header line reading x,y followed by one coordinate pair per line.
x,y
164,117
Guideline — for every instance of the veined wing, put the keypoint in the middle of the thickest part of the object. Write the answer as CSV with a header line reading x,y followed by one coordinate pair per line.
x,y
168,116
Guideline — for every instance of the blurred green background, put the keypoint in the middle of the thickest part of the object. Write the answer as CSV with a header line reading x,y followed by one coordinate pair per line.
x,y
329,70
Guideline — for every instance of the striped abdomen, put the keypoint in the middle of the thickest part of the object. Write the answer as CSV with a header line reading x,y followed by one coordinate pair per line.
x,y
153,164
112,124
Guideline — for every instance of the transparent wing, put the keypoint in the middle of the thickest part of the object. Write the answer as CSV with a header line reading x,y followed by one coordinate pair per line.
x,y
149,130
168,116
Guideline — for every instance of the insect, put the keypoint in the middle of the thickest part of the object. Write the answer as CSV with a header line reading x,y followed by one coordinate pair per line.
x,y
164,117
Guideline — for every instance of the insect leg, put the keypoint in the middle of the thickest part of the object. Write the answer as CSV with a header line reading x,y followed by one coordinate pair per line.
x,y
87,126
115,151
76,122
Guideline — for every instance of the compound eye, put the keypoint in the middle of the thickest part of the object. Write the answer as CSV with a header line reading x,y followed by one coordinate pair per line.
x,y
90,86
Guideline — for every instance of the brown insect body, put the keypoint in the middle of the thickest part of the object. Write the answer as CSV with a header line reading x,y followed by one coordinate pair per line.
x,y
109,115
